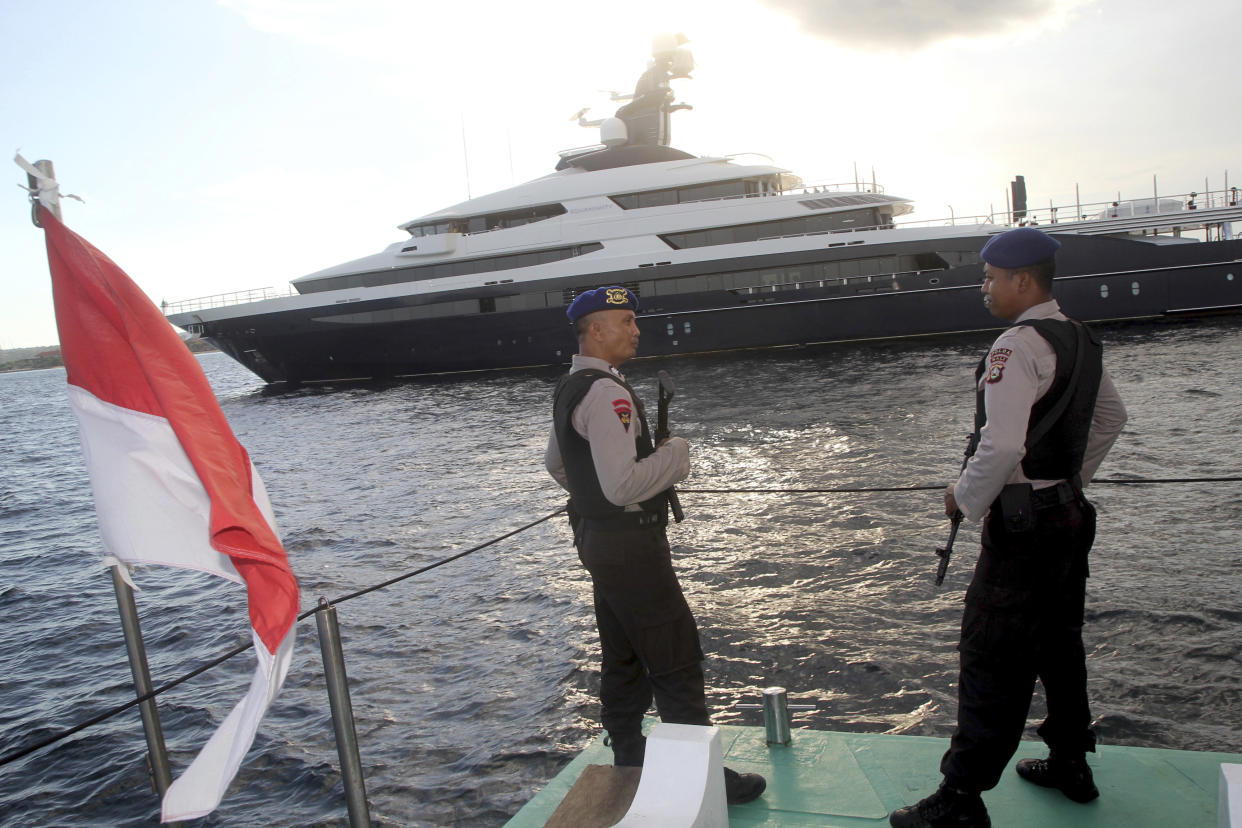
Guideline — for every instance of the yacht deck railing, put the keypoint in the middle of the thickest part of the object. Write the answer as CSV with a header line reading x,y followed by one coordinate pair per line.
x,y
1194,208
220,300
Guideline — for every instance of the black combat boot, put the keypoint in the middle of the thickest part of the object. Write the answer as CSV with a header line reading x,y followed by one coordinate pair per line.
x,y
743,787
628,749
946,807
1071,775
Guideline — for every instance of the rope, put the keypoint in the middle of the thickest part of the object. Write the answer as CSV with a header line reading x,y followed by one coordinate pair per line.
x,y
56,737
941,486
430,567
64,734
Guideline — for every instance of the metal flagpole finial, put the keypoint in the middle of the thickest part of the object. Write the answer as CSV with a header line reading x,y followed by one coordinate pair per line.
x,y
42,187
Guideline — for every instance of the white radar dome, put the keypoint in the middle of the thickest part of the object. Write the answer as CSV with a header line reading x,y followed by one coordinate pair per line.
x,y
612,132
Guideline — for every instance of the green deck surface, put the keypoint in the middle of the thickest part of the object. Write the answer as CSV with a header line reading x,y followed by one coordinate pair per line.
x,y
855,779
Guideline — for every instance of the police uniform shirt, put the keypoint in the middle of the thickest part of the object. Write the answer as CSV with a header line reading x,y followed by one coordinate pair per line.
x,y
607,419
1020,369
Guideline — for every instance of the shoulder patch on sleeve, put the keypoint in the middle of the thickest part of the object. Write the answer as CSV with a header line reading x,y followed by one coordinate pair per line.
x,y
625,413
999,356
996,372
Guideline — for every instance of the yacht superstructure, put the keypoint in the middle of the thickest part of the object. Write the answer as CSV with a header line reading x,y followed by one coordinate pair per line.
x,y
723,252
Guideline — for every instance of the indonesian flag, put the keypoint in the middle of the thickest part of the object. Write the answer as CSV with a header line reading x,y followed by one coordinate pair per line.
x,y
172,485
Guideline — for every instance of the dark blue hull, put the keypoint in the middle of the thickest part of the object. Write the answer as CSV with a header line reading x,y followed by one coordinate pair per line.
x,y
1099,279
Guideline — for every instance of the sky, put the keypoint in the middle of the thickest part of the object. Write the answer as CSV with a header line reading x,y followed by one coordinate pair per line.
x,y
234,144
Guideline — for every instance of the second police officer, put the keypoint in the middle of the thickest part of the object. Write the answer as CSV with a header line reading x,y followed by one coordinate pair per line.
x,y
601,451
1046,414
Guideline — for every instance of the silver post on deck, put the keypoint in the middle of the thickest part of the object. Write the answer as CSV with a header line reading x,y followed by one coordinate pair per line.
x,y
342,714
776,716
776,709
157,754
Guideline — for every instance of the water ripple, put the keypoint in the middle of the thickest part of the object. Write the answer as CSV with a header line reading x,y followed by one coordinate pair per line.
x,y
473,684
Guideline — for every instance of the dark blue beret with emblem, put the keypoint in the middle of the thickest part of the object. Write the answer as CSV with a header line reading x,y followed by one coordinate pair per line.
x,y
604,298
1019,248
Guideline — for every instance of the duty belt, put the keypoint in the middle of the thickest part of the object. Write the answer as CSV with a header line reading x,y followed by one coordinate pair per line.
x,y
622,520
1057,495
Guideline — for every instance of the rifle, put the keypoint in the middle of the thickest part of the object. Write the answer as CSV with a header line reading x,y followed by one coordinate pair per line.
x,y
667,390
944,553
955,521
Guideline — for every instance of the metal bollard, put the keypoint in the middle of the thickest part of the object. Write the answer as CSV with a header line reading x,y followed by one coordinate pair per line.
x,y
776,709
776,716
342,715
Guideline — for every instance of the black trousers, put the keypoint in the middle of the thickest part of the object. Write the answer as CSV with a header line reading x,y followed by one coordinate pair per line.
x,y
1023,620
648,639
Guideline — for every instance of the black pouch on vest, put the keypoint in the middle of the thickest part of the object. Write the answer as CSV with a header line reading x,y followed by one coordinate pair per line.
x,y
1016,508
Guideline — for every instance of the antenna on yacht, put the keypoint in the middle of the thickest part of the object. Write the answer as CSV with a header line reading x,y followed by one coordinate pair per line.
x,y
465,155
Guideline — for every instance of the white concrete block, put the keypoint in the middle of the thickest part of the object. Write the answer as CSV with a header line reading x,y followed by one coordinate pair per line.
x,y
682,785
1229,812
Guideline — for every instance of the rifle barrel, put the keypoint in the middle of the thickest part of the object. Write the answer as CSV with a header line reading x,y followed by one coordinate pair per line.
x,y
943,566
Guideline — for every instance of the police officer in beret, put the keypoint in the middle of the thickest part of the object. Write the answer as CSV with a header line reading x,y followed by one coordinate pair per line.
x,y
600,450
1046,414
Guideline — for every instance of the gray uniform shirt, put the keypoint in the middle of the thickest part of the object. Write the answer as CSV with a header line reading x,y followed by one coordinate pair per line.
x,y
606,418
1021,367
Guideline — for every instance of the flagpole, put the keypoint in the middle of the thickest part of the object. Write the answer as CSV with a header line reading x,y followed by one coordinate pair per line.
x,y
157,753
342,714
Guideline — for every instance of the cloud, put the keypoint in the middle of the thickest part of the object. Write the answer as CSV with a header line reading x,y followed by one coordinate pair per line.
x,y
911,25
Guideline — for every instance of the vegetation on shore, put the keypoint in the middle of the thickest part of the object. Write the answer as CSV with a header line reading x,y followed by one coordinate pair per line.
x,y
33,359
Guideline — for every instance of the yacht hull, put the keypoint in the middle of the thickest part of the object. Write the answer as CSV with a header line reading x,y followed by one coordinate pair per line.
x,y
1101,279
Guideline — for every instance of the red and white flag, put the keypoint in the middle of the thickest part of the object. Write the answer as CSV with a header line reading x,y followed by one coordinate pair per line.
x,y
172,485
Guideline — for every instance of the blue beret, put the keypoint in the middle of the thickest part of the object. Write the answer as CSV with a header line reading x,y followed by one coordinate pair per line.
x,y
1019,248
604,298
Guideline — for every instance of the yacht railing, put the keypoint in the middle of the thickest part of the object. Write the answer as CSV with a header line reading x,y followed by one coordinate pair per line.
x,y
802,190
1183,208
220,300
885,281
843,187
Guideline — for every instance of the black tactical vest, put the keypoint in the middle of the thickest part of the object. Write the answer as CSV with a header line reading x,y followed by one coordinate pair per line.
x,y
1056,434
584,489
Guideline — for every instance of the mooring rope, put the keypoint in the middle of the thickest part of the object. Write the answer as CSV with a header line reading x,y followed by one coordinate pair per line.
x,y
121,708
64,734
942,486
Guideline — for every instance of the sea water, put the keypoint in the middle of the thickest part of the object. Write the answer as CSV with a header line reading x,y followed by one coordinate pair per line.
x,y
473,684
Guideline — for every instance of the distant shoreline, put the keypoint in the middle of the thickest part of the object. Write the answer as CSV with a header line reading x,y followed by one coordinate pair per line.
x,y
49,357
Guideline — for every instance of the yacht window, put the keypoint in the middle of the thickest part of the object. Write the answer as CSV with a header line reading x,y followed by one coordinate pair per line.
x,y
488,221
445,269
660,198
821,223
736,188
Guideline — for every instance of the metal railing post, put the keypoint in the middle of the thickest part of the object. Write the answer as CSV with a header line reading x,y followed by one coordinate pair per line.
x,y
157,753
342,714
